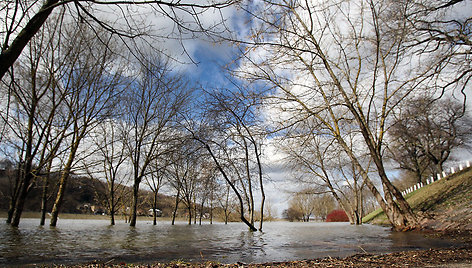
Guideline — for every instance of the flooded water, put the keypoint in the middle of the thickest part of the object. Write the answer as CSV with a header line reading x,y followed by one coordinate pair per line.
x,y
82,241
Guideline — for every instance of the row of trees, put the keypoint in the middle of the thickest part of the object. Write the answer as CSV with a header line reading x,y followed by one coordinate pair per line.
x,y
343,80
343,77
76,104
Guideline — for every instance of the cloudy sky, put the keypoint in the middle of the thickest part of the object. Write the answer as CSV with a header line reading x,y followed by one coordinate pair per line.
x,y
202,60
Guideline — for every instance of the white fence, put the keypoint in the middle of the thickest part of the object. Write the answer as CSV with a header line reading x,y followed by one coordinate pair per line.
x,y
438,177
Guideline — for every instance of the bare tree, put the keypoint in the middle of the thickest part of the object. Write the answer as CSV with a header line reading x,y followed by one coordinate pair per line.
x,y
319,164
226,202
212,140
109,164
205,188
443,24
428,131
342,65
324,205
156,180
21,21
152,106
235,111
93,81
33,116
305,202
184,168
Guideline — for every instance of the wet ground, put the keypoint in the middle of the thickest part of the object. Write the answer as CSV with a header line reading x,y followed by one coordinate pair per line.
x,y
454,258
94,241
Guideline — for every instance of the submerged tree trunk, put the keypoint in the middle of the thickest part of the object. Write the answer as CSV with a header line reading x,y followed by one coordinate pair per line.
x,y
154,209
14,196
174,214
211,204
189,210
261,183
241,203
249,181
201,212
59,198
112,202
21,199
134,207
79,133
194,209
44,200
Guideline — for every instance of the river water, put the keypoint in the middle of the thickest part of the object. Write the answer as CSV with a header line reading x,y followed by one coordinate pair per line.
x,y
82,241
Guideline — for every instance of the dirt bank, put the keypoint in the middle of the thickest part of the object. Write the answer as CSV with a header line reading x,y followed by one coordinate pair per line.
x,y
455,257
443,206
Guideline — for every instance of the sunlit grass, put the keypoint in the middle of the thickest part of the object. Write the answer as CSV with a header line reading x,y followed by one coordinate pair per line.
x,y
440,195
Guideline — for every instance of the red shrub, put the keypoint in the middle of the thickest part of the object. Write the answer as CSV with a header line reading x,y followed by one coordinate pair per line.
x,y
336,216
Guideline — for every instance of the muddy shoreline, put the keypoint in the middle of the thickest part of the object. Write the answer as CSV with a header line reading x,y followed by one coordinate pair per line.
x,y
452,257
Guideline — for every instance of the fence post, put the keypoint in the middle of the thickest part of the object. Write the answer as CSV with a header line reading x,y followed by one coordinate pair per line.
x,y
439,176
460,166
444,174
468,163
452,170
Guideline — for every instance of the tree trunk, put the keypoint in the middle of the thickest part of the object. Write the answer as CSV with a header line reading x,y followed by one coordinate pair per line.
x,y
176,207
21,199
263,197
189,209
64,177
9,54
59,198
134,207
390,208
112,203
201,212
15,194
211,209
154,209
112,217
241,204
194,210
44,201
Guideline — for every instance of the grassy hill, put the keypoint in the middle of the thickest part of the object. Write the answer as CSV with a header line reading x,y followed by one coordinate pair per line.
x,y
445,205
80,190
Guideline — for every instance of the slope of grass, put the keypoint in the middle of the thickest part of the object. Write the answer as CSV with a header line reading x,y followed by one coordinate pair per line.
x,y
450,197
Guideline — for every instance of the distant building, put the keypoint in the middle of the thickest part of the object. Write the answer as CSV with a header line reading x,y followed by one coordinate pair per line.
x,y
158,212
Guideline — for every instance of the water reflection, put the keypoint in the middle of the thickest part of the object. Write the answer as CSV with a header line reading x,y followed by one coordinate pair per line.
x,y
79,241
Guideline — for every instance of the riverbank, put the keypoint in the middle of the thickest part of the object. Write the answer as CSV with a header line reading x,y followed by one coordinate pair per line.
x,y
72,216
444,206
455,257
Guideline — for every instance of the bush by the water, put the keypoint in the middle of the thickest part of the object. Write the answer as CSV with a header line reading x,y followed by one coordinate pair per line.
x,y
337,216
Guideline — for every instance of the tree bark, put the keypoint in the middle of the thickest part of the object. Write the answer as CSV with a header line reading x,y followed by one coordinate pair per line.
x,y
112,202
134,207
154,211
14,197
241,204
10,55
174,214
20,201
63,181
44,201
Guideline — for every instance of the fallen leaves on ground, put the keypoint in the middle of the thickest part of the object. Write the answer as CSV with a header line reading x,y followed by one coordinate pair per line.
x,y
460,257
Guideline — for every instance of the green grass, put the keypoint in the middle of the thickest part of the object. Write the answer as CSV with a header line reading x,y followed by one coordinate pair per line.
x,y
450,193
37,215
